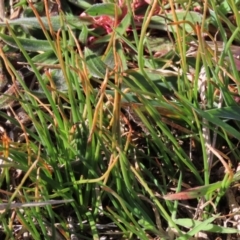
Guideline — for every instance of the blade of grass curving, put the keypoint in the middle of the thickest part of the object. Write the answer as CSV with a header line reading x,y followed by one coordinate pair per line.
x,y
158,181
130,230
5,225
159,145
211,118
203,139
178,151
235,32
46,91
125,206
27,221
157,203
206,94
133,24
231,144
69,60
34,215
47,11
225,184
175,205
124,164
51,217
56,169
140,57
79,80
112,215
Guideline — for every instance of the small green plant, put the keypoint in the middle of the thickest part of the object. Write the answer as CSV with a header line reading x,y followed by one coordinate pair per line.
x,y
117,112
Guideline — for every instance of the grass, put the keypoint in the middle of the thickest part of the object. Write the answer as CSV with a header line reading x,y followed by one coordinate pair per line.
x,y
133,124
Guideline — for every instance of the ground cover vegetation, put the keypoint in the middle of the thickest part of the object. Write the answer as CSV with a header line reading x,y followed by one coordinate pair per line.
x,y
119,119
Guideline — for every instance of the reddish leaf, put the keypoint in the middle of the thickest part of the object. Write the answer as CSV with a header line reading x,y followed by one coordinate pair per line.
x,y
193,192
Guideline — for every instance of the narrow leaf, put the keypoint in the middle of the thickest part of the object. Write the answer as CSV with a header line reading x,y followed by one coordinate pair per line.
x,y
31,45
103,9
74,22
190,223
213,119
95,65
159,22
232,112
32,204
193,192
124,24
